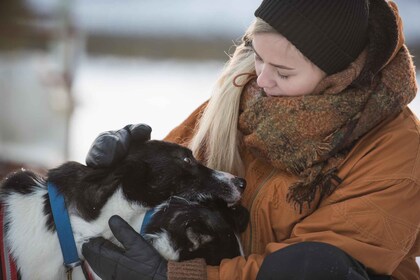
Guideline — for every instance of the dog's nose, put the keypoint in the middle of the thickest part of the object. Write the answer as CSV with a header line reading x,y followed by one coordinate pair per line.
x,y
239,182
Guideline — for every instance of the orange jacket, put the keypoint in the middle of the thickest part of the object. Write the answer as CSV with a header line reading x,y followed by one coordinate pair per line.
x,y
374,215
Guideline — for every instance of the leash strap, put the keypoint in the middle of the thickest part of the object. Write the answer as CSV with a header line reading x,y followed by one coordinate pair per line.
x,y
8,266
63,227
146,220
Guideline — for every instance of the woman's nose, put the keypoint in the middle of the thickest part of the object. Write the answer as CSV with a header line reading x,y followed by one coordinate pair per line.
x,y
264,79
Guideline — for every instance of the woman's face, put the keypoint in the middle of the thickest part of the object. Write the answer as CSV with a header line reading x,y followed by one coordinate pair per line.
x,y
281,69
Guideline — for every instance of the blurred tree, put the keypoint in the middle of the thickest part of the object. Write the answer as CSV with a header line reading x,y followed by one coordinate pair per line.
x,y
37,64
12,10
19,26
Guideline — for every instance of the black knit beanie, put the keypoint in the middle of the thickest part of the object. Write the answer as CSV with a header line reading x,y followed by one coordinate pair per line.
x,y
330,33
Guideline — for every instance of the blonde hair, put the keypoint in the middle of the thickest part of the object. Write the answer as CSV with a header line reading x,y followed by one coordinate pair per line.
x,y
217,138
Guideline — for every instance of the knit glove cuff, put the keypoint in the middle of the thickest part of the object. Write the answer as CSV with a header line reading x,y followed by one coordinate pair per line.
x,y
195,269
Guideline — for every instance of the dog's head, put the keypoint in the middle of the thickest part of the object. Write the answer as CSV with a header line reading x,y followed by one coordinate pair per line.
x,y
183,230
155,170
151,172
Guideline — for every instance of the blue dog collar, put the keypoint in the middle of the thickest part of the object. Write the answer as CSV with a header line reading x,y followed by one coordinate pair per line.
x,y
63,227
146,220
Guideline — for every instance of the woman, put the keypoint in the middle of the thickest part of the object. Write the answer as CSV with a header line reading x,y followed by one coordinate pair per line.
x,y
312,110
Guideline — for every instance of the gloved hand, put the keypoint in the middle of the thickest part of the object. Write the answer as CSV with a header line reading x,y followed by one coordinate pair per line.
x,y
111,146
139,260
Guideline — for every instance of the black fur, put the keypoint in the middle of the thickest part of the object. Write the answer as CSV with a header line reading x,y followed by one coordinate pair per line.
x,y
204,229
21,182
151,173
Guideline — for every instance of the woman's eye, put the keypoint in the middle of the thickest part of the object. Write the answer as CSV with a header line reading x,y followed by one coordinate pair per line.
x,y
282,76
188,160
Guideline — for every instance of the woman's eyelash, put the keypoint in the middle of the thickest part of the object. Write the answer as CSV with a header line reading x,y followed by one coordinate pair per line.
x,y
282,76
258,58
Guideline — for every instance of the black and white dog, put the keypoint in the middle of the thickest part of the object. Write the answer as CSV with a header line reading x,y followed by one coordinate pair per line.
x,y
153,173
182,229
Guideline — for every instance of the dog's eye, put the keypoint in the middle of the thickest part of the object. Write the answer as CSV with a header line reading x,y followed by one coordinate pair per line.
x,y
188,160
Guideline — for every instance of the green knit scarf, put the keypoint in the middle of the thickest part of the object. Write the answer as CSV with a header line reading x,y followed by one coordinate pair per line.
x,y
310,135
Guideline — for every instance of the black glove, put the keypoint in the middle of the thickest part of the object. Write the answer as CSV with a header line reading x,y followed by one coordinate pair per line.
x,y
139,260
111,146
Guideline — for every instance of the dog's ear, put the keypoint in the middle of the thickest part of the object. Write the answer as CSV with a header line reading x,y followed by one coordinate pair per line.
x,y
89,188
133,176
196,238
240,217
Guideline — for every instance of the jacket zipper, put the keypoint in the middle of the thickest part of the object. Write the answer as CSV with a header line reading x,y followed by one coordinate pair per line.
x,y
256,193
